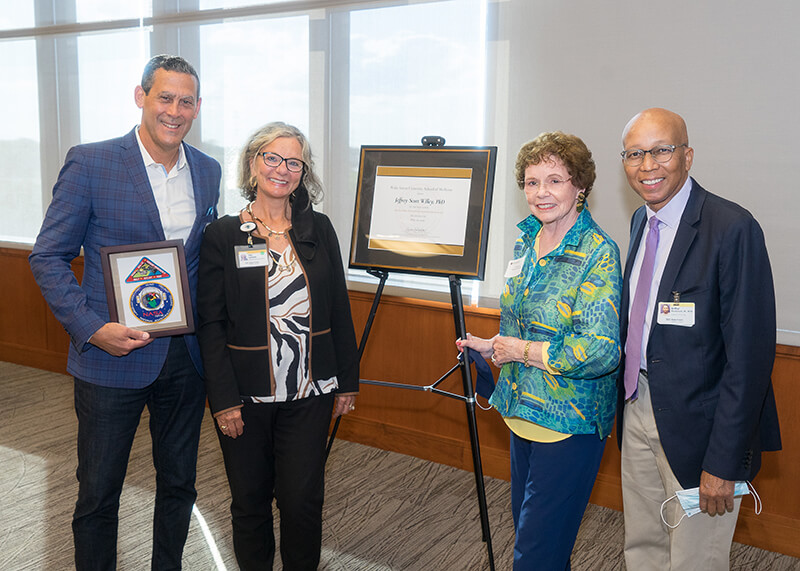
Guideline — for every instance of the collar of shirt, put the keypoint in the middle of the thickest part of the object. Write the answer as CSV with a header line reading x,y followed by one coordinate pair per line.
x,y
531,226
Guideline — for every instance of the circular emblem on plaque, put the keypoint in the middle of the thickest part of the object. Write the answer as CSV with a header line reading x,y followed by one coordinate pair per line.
x,y
151,302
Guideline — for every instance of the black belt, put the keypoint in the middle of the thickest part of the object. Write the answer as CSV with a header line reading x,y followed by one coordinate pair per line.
x,y
643,372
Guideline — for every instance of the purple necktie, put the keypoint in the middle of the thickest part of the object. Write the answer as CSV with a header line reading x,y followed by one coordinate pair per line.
x,y
633,344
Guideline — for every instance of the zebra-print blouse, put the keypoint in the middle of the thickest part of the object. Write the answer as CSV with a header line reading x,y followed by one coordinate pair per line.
x,y
289,323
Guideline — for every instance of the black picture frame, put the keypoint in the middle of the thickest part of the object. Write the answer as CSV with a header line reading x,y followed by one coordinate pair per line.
x,y
429,240
147,287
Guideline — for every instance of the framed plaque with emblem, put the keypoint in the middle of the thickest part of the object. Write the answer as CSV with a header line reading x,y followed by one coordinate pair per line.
x,y
147,287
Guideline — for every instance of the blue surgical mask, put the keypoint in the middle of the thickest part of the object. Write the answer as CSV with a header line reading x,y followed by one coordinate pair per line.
x,y
690,501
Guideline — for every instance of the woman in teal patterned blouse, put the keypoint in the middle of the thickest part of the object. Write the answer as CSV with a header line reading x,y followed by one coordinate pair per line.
x,y
558,349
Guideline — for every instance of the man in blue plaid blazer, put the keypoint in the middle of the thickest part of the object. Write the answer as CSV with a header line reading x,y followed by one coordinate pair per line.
x,y
143,187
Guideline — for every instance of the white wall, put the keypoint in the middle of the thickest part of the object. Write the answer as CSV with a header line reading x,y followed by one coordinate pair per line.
x,y
730,68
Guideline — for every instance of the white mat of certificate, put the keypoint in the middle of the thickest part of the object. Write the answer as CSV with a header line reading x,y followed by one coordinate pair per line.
x,y
122,266
420,211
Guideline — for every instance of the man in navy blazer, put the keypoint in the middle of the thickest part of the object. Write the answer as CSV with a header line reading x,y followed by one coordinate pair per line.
x,y
696,405
146,186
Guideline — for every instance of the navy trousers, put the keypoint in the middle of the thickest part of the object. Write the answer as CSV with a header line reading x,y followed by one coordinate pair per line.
x,y
550,487
107,422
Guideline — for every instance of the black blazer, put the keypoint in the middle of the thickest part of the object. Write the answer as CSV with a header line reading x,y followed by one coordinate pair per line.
x,y
233,306
710,384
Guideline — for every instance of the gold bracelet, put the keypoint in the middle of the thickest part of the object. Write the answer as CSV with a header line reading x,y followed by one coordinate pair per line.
x,y
525,354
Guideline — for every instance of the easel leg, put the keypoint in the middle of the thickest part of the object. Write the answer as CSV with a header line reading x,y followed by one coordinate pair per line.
x,y
382,275
469,393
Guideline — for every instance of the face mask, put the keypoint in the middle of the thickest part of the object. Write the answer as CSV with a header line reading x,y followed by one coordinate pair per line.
x,y
690,501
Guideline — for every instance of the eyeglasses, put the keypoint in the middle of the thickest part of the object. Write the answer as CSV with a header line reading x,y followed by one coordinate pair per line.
x,y
553,183
660,154
274,160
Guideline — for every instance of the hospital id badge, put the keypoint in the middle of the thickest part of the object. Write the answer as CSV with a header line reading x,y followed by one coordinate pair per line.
x,y
676,313
251,256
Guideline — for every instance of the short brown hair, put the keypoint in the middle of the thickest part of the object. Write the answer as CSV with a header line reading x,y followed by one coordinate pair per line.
x,y
571,150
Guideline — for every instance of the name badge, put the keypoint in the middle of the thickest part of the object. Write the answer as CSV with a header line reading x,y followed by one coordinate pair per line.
x,y
674,313
251,257
514,267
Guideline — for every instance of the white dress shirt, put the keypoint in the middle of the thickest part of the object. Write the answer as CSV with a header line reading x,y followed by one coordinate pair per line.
x,y
173,192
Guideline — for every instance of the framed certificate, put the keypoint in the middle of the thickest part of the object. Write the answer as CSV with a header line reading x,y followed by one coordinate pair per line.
x,y
423,209
147,287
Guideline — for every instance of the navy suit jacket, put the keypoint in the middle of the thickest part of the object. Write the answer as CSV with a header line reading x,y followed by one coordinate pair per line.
x,y
710,384
103,198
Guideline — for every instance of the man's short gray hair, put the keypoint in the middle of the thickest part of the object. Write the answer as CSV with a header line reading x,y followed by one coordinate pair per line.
x,y
167,63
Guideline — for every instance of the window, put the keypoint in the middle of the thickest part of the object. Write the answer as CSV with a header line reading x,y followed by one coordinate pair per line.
x,y
15,14
260,74
103,10
416,70
20,216
110,67
348,75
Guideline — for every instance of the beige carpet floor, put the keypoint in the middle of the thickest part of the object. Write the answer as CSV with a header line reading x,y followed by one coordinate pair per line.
x,y
383,511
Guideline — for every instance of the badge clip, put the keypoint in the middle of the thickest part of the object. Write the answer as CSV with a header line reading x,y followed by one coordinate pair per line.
x,y
248,227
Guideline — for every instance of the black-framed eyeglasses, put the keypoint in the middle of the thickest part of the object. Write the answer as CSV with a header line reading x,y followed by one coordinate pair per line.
x,y
274,160
660,154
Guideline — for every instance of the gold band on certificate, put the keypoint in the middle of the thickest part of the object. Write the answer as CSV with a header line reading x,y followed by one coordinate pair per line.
x,y
416,248
420,211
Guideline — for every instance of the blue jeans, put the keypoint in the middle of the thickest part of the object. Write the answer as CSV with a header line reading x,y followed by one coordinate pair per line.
x,y
550,487
107,422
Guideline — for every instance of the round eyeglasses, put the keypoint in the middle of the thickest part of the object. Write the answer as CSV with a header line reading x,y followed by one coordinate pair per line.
x,y
660,154
553,183
274,160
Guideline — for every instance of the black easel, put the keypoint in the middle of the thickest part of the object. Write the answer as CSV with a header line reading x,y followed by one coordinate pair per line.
x,y
382,275
466,376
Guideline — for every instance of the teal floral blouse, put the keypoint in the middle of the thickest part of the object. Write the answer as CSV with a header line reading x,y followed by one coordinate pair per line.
x,y
569,298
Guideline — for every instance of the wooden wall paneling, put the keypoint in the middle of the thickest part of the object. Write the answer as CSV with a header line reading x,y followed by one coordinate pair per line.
x,y
778,526
23,314
23,326
29,333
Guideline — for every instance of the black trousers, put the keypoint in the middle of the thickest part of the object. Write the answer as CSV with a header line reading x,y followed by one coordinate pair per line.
x,y
280,454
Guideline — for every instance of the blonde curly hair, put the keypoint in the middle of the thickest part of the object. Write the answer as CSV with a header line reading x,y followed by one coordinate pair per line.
x,y
263,137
